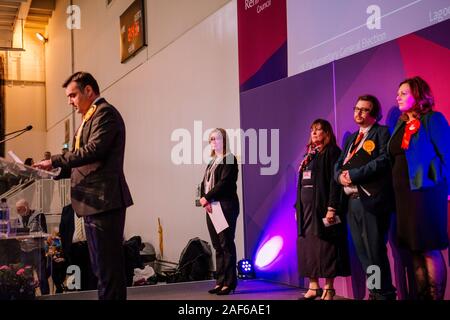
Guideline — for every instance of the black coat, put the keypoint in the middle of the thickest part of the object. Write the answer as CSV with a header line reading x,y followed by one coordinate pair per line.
x,y
371,171
97,180
225,188
327,193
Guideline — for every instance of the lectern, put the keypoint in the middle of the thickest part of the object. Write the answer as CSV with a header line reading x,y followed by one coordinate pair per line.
x,y
18,244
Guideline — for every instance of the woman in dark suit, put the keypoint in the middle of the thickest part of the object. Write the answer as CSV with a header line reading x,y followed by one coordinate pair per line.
x,y
420,155
322,250
219,185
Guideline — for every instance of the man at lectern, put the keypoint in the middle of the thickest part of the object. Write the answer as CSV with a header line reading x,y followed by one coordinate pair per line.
x,y
99,190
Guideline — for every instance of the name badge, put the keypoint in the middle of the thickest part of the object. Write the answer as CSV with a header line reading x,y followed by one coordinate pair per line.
x,y
307,174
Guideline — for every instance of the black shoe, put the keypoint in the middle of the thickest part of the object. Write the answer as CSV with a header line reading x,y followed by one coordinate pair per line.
x,y
378,295
328,294
226,291
318,294
215,290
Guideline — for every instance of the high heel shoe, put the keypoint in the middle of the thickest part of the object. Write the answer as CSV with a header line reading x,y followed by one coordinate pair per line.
x,y
226,291
328,294
318,294
215,290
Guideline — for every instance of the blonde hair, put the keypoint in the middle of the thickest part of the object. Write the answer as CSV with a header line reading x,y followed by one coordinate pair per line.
x,y
223,133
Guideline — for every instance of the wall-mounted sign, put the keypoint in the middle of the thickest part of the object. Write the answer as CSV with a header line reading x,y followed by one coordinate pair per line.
x,y
132,30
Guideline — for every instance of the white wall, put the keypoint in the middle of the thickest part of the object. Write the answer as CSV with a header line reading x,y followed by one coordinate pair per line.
x,y
25,98
25,105
189,72
58,67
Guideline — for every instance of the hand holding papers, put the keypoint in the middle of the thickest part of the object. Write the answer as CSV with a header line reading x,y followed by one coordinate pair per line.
x,y
46,173
217,217
328,224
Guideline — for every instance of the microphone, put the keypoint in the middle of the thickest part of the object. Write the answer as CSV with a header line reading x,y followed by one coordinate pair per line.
x,y
18,133
27,128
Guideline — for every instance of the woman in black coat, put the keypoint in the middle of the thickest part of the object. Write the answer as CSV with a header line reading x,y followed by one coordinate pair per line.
x,y
322,249
219,185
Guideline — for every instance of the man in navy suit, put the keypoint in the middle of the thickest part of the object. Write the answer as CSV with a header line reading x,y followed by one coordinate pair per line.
x,y
364,170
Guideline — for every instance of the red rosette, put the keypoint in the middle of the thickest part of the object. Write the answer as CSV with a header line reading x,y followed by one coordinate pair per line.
x,y
411,128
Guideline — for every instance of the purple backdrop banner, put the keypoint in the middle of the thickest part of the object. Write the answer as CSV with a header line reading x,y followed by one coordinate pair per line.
x,y
290,105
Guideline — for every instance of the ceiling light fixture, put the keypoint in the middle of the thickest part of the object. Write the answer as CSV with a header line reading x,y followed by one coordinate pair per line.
x,y
41,37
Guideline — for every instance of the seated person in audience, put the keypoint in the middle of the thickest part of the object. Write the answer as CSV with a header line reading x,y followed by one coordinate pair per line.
x,y
33,250
75,247
47,155
29,162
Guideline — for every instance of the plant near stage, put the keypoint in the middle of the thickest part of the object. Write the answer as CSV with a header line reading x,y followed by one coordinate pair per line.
x,y
17,282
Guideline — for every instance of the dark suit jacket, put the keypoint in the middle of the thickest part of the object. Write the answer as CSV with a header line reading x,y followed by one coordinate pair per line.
x,y
327,193
373,171
428,155
98,182
224,190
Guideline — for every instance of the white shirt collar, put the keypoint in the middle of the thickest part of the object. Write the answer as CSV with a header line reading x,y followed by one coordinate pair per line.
x,y
366,130
96,100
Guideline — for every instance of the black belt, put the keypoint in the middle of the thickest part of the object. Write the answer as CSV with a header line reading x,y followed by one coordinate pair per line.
x,y
354,195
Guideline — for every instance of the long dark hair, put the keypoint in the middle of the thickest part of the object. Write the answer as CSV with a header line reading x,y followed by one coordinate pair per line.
x,y
330,138
423,97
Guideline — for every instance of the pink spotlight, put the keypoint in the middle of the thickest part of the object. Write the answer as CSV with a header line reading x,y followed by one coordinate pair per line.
x,y
269,252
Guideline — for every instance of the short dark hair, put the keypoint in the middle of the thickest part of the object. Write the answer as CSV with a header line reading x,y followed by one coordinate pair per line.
x,y
83,79
376,105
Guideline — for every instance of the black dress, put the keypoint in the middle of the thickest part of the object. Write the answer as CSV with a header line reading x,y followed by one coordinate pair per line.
x,y
317,258
420,213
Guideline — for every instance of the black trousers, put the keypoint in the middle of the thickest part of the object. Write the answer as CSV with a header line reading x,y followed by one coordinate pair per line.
x,y
104,233
369,234
79,255
223,244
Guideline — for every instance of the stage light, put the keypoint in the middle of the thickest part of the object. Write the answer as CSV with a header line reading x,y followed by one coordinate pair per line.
x,y
245,269
41,37
269,252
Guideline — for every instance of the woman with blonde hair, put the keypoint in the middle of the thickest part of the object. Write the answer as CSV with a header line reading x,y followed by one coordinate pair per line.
x,y
219,186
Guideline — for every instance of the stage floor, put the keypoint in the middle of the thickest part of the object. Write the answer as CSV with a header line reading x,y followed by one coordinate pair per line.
x,y
246,290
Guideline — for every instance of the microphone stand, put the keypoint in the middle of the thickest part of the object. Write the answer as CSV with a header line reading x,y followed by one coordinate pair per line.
x,y
26,129
17,135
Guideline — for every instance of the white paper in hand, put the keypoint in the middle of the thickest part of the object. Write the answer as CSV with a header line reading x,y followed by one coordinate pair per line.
x,y
336,221
15,157
217,217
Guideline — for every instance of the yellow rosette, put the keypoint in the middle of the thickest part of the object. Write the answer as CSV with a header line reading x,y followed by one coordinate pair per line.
x,y
369,146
